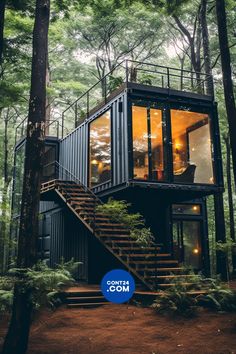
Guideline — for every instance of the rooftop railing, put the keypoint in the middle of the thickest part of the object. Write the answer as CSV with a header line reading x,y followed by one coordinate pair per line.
x,y
126,71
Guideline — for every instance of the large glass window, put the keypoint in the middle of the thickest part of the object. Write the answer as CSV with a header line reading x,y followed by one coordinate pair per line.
x,y
140,142
191,143
147,135
156,136
187,243
186,209
100,149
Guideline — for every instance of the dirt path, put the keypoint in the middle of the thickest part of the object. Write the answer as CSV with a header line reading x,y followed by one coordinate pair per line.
x,y
123,329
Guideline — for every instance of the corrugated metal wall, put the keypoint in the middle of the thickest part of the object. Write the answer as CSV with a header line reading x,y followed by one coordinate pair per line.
x,y
76,244
61,235
74,152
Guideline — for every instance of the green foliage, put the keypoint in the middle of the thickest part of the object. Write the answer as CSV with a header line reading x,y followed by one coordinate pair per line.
x,y
115,82
146,79
45,284
176,301
218,296
6,300
225,247
69,266
118,211
143,235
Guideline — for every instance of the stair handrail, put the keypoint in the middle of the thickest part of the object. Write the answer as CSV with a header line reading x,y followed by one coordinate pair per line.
x,y
97,200
73,177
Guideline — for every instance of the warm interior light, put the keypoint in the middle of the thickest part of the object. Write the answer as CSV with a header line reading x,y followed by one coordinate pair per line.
x,y
195,250
195,207
94,162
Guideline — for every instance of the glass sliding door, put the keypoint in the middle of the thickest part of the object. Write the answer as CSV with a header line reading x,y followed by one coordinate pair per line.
x,y
191,147
156,136
148,162
187,243
100,149
140,142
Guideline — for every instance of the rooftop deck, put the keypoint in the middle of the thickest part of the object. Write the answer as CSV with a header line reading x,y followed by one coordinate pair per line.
x,y
127,74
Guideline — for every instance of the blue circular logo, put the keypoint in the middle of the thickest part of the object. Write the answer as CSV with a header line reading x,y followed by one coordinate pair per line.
x,y
118,286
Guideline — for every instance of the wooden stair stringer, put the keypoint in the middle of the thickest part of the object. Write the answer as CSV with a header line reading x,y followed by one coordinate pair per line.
x,y
131,269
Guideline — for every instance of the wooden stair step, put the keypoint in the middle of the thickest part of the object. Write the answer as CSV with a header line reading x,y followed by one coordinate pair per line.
x,y
148,255
155,262
123,241
135,248
79,199
173,276
89,304
113,230
80,195
85,299
77,189
168,285
169,269
110,224
112,236
84,209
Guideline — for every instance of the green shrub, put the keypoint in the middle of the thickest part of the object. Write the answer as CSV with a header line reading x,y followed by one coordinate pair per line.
x,y
114,82
45,284
176,301
218,297
6,299
117,210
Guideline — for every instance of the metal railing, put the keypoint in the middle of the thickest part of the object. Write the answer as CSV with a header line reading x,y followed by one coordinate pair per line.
x,y
55,170
136,72
124,72
52,128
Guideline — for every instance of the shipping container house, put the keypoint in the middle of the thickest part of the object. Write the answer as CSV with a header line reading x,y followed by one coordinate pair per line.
x,y
150,143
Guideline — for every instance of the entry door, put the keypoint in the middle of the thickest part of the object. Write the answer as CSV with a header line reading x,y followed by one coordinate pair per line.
x,y
187,242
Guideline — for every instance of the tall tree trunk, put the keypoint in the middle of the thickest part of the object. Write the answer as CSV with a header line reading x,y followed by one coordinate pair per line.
x,y
221,256
221,259
206,48
4,203
48,105
230,198
227,77
2,17
16,340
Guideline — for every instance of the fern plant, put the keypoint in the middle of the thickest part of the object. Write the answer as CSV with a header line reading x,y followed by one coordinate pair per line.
x,y
118,211
45,284
176,301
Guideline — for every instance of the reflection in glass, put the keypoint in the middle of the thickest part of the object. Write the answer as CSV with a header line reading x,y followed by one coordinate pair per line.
x,y
100,150
140,142
186,209
187,243
192,245
191,141
157,144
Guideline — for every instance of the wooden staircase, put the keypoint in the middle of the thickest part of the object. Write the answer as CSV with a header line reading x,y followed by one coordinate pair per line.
x,y
84,297
149,265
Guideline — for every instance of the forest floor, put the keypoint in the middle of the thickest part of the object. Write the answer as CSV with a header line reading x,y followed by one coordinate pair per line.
x,y
127,329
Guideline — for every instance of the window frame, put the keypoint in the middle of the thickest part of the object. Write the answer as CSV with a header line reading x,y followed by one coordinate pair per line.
x,y
166,106
108,109
148,105
204,110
